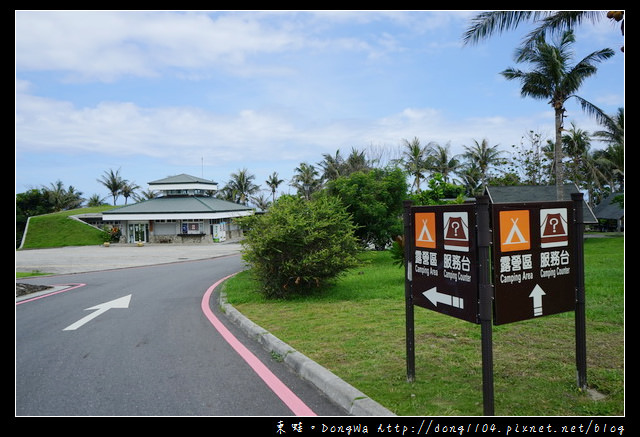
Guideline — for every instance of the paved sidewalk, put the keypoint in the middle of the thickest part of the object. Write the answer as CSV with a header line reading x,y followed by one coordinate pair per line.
x,y
80,259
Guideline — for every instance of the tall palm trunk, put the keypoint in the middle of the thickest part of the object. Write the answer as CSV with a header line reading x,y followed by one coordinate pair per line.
x,y
557,153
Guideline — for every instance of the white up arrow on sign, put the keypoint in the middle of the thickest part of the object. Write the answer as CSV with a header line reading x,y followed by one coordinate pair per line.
x,y
435,297
122,302
536,295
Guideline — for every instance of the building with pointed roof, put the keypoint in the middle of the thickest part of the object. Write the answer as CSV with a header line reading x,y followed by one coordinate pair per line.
x,y
184,212
610,213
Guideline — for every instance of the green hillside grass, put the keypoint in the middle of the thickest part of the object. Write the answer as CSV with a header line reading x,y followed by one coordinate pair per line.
x,y
58,230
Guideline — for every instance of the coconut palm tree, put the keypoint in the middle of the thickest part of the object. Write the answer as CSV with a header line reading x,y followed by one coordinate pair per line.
x,y
555,81
61,198
332,166
414,158
113,182
442,162
273,182
613,132
484,157
486,24
242,186
128,190
306,180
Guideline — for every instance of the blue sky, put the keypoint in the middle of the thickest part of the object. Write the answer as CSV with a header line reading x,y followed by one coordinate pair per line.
x,y
159,93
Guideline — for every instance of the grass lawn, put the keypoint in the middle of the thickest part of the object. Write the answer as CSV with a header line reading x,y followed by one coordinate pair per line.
x,y
356,329
58,230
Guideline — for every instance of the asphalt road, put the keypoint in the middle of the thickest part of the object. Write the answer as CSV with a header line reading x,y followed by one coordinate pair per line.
x,y
160,354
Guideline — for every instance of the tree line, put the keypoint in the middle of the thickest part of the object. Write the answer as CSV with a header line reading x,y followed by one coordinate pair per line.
x,y
536,160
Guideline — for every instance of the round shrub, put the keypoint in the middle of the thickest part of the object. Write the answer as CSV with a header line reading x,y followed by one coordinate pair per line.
x,y
299,245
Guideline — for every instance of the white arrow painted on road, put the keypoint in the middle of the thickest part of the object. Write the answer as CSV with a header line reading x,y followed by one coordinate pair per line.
x,y
537,294
436,297
122,302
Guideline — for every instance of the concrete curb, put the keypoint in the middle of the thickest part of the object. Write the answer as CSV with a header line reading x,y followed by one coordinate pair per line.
x,y
352,400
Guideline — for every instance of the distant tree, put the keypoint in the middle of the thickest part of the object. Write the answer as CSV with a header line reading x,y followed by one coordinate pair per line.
x,y
145,195
485,157
29,204
113,182
261,202
61,198
95,200
552,79
128,190
241,187
306,180
414,160
442,162
273,182
374,200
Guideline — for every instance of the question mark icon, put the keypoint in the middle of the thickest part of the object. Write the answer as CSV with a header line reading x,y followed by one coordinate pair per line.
x,y
554,223
455,226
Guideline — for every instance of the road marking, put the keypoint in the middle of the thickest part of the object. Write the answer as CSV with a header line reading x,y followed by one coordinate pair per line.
x,y
122,302
290,399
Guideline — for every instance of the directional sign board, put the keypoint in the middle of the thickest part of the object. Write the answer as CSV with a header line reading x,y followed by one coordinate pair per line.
x,y
533,260
444,260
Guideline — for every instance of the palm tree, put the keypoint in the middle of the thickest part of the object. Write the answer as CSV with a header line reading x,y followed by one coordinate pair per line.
x,y
613,132
332,166
306,180
261,202
128,190
145,195
95,200
442,162
272,182
484,157
356,161
488,23
113,182
554,80
242,186
414,157
61,198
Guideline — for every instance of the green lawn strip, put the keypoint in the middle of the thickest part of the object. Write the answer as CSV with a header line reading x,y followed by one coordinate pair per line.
x,y
58,230
356,329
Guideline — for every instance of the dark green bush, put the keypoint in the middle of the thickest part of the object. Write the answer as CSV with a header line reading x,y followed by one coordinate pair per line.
x,y
299,245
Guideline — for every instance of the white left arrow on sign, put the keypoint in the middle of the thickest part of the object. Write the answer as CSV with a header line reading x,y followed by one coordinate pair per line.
x,y
435,297
122,302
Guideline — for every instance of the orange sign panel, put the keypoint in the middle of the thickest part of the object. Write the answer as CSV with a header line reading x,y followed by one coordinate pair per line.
x,y
515,233
425,224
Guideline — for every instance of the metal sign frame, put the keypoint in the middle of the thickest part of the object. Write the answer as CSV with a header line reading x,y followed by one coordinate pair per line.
x,y
533,260
485,303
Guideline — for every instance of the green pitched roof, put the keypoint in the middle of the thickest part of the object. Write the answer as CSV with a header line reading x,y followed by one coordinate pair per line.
x,y
179,205
181,179
536,193
607,209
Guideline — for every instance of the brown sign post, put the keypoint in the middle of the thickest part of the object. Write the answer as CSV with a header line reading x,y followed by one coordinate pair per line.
x,y
537,268
534,270
444,260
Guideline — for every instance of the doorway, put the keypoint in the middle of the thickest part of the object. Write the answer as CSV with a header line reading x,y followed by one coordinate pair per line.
x,y
138,232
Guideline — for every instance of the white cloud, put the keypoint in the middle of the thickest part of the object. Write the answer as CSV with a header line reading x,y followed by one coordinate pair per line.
x,y
100,45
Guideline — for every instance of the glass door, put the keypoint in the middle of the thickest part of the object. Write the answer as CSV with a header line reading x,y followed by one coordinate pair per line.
x,y
138,232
